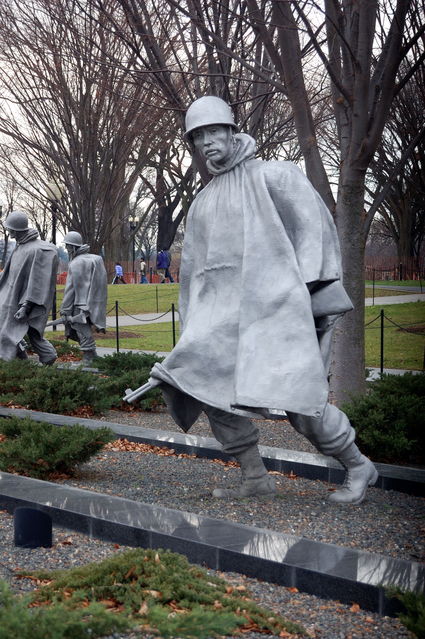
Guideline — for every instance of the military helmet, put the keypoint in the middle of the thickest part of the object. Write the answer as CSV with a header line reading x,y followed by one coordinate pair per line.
x,y
17,221
74,238
206,111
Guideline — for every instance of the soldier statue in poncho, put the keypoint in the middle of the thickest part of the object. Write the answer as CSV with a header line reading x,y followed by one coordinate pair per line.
x,y
27,288
83,306
255,345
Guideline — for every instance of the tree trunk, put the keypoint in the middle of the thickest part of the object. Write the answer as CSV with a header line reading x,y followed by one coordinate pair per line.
x,y
348,365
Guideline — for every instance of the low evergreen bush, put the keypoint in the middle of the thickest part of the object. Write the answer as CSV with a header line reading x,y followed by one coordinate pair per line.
x,y
115,387
129,370
59,621
163,593
119,363
389,419
38,449
55,390
63,348
414,616
13,376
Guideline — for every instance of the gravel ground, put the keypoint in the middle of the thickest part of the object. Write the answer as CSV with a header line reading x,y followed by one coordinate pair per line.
x,y
272,433
387,522
321,619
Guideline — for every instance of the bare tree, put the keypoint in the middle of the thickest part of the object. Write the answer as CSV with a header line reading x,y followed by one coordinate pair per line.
x,y
399,179
75,113
361,45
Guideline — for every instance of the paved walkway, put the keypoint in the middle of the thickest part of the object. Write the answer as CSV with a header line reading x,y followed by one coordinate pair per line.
x,y
394,287
395,299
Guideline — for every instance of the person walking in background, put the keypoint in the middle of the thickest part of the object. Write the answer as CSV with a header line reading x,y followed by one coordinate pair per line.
x,y
167,270
143,278
163,262
119,275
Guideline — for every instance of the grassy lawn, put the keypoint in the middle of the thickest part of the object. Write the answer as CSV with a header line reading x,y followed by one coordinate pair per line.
x,y
401,350
137,298
384,292
146,337
383,283
157,298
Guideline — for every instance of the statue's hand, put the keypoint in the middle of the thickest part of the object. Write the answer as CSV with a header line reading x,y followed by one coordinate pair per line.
x,y
21,313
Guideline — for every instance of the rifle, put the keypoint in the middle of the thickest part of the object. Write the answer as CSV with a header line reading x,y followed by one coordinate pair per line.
x,y
77,319
132,396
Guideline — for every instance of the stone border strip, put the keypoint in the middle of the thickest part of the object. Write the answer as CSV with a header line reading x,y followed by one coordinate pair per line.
x,y
312,466
325,570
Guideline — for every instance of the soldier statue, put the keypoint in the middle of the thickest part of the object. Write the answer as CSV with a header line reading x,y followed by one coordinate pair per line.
x,y
27,288
83,306
252,345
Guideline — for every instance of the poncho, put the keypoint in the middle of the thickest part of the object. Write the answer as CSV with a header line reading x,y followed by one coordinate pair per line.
x,y
258,240
29,276
86,287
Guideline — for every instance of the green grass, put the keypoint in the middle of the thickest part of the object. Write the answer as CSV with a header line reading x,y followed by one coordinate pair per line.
x,y
383,283
147,337
137,298
401,350
384,292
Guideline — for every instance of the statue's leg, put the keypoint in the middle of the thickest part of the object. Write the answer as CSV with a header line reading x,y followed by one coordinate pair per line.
x,y
86,341
239,438
45,350
333,435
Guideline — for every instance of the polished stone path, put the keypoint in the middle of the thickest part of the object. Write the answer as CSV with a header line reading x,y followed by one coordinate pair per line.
x,y
325,570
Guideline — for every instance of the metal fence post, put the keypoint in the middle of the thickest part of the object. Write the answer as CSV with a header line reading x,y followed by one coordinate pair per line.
x,y
117,330
373,287
382,341
174,324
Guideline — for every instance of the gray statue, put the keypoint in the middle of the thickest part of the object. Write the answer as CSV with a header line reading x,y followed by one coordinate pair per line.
x,y
251,344
84,302
27,287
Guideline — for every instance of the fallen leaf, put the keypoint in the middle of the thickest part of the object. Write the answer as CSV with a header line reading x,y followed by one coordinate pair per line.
x,y
355,607
143,610
292,589
130,572
153,593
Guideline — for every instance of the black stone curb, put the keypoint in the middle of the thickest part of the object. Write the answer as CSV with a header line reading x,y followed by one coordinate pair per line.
x,y
325,570
312,466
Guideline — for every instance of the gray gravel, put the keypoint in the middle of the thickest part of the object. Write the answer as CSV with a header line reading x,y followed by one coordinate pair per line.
x,y
322,619
272,433
387,522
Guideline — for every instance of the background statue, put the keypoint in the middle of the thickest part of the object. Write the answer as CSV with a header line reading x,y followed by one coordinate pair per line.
x,y
84,302
251,344
27,287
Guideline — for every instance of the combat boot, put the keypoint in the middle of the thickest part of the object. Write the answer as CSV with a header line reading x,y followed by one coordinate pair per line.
x,y
360,474
255,479
88,357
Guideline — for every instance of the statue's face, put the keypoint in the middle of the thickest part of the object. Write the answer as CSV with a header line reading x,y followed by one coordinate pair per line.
x,y
215,142
12,233
71,250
